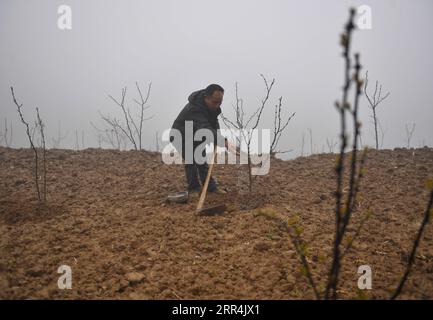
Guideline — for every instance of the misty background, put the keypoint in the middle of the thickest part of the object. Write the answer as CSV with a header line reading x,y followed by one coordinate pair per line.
x,y
182,46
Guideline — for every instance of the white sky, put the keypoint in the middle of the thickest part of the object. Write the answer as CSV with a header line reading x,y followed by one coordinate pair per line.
x,y
182,46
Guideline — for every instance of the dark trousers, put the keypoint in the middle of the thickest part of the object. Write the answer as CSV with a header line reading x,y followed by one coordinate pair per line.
x,y
196,173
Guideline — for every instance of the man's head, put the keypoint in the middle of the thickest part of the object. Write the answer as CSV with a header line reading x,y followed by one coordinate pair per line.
x,y
213,96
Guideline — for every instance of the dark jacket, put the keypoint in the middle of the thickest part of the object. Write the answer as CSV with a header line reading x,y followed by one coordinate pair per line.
x,y
202,117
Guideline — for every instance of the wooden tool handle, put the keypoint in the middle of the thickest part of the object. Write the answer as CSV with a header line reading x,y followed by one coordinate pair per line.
x,y
206,183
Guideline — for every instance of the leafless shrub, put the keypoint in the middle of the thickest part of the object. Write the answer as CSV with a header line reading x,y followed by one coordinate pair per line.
x,y
373,102
82,139
331,145
157,142
311,140
382,133
409,134
113,136
246,127
6,135
41,126
302,144
243,126
131,128
279,127
32,145
77,145
99,138
57,141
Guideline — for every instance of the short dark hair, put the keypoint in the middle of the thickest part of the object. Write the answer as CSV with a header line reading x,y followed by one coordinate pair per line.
x,y
210,89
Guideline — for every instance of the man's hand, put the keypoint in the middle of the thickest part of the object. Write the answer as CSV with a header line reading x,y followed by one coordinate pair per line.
x,y
232,148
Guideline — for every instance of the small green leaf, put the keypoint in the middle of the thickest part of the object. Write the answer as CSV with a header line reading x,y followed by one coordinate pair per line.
x,y
304,271
293,220
361,295
303,247
298,230
349,240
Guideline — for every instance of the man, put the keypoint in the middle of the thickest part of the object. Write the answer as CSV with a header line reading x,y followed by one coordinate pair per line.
x,y
202,109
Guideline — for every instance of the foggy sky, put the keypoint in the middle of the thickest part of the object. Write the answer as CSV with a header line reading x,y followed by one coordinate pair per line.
x,y
182,46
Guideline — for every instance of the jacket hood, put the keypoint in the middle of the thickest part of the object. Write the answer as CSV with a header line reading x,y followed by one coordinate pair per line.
x,y
197,98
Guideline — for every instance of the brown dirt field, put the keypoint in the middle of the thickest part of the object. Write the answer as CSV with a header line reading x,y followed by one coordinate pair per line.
x,y
106,217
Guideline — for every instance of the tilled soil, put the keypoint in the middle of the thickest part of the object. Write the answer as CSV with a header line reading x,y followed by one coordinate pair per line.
x,y
107,218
